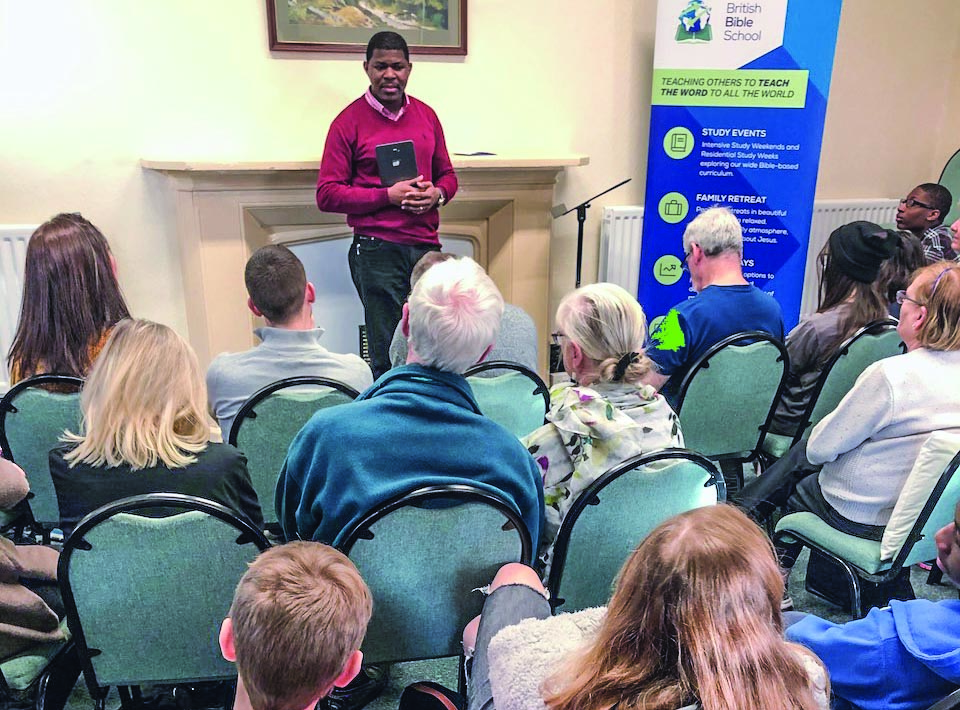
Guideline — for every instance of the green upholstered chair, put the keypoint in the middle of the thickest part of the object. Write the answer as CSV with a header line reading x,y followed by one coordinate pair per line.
x,y
612,516
509,393
421,554
32,419
729,394
43,675
950,179
863,559
874,341
145,595
270,419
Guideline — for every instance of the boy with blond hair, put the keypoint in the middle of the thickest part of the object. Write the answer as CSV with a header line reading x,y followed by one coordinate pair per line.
x,y
297,620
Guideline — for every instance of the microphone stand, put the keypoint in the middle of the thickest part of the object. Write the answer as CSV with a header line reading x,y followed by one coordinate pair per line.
x,y
561,209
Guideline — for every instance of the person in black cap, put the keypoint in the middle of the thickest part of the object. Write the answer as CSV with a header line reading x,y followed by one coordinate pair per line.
x,y
850,297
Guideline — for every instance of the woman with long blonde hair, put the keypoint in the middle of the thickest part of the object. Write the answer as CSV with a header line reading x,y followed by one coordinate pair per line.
x,y
694,620
146,429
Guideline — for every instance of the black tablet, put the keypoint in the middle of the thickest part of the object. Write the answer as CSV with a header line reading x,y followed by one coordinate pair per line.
x,y
396,161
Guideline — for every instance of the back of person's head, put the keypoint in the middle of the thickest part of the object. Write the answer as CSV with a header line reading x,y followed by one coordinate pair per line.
x,y
895,271
939,198
70,298
298,615
849,268
454,315
695,616
610,327
431,258
715,230
276,283
387,41
144,403
938,289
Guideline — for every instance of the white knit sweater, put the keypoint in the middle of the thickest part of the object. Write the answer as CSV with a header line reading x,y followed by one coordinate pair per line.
x,y
869,443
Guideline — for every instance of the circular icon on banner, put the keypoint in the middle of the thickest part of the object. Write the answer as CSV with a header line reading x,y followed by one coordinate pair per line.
x,y
673,207
678,143
667,270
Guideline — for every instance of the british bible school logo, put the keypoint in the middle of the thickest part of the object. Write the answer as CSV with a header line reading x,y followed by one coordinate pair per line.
x,y
695,23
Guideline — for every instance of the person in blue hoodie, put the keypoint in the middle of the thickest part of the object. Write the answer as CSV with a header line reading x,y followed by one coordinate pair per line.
x,y
417,425
903,657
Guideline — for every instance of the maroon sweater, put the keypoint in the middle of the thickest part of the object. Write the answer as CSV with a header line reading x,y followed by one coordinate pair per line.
x,y
349,179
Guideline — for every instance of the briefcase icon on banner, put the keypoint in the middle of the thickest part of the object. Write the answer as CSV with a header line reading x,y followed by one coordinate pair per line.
x,y
673,208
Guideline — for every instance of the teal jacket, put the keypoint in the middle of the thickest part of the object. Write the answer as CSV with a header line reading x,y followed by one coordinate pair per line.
x,y
415,426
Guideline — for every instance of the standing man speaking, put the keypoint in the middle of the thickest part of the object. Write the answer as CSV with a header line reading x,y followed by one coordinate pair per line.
x,y
393,225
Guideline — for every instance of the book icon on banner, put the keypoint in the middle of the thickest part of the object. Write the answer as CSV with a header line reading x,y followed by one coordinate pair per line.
x,y
694,23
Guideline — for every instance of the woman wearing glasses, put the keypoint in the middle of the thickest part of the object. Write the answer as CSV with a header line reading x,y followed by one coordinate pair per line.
x,y
850,297
852,468
605,414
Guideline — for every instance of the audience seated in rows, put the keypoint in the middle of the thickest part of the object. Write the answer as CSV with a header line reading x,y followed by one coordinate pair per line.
x,y
516,342
905,655
71,300
606,414
724,304
694,618
289,343
295,627
896,271
418,425
922,213
850,297
852,468
30,604
146,430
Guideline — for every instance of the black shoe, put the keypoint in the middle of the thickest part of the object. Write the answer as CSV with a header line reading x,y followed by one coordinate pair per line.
x,y
367,686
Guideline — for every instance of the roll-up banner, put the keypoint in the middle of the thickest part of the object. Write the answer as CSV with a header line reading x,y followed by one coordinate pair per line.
x,y
739,98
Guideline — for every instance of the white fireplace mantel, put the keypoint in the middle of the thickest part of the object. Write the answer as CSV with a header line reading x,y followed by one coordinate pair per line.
x,y
225,211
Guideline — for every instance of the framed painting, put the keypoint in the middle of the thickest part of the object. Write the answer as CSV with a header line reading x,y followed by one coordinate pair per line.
x,y
429,26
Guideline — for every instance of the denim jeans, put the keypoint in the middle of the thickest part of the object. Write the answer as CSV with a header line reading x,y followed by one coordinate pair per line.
x,y
381,274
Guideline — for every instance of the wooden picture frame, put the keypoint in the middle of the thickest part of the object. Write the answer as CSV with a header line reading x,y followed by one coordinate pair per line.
x,y
437,27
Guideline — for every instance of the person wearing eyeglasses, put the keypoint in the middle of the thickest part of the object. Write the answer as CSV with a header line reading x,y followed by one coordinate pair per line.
x,y
852,468
922,212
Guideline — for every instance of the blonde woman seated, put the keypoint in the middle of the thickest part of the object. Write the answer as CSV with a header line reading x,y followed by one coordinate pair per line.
x,y
605,415
694,621
146,429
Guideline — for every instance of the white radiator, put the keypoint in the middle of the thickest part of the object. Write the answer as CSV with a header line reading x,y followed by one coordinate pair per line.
x,y
622,227
13,249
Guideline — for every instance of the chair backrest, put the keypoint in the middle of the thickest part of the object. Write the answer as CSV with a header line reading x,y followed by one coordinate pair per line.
x,y
32,419
950,179
270,419
146,595
939,510
730,392
612,516
509,393
421,554
874,341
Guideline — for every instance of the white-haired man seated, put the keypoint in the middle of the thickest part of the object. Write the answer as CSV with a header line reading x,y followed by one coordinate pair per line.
x,y
418,425
725,303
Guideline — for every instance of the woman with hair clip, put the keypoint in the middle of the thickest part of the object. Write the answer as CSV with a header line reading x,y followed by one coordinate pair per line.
x,y
605,414
71,300
146,429
850,297
694,621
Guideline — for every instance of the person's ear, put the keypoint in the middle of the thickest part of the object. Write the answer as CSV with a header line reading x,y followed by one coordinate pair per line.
x,y
933,216
921,318
405,321
577,358
253,308
365,66
350,670
310,294
227,645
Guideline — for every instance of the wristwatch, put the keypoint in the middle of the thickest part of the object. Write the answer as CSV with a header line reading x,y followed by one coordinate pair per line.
x,y
443,199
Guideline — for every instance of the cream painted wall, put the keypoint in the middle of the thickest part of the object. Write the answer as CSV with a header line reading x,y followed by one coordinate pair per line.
x,y
91,87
